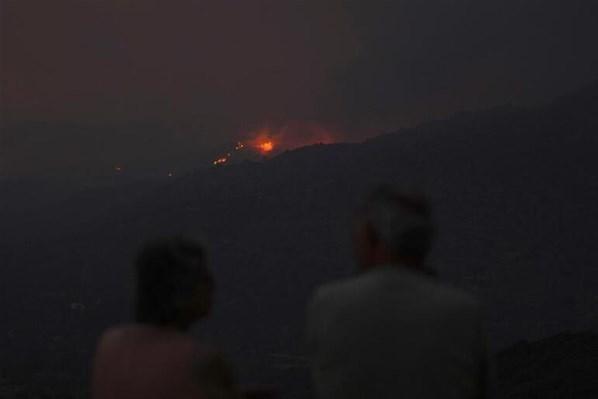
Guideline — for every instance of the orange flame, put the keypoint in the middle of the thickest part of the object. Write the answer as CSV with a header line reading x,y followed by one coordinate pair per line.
x,y
220,161
265,146
270,140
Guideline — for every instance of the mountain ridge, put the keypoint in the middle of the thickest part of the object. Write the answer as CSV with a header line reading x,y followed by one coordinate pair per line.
x,y
514,192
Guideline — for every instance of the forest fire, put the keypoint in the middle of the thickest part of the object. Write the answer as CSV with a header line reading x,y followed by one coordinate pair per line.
x,y
220,161
267,141
265,146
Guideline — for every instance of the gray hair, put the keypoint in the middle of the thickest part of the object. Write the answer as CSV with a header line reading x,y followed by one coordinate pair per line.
x,y
400,222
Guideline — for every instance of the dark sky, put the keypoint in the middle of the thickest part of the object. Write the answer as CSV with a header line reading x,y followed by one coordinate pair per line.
x,y
169,84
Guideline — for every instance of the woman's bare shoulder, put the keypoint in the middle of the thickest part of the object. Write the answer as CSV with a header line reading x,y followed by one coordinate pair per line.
x,y
117,334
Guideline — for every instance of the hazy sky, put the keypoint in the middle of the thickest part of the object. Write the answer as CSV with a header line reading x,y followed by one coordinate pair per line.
x,y
86,84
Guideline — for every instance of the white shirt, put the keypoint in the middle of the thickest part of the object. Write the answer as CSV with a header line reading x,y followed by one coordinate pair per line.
x,y
393,332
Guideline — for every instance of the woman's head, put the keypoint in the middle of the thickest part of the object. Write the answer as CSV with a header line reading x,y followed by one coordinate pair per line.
x,y
174,285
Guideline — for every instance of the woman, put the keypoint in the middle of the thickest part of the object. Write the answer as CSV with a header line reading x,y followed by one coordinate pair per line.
x,y
155,357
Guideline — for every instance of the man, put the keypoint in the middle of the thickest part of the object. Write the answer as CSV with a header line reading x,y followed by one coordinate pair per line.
x,y
393,331
155,358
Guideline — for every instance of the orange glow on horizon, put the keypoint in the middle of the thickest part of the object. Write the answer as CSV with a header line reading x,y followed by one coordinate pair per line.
x,y
269,140
265,146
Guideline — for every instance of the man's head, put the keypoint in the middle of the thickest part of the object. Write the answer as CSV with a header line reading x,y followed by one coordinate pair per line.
x,y
393,228
174,285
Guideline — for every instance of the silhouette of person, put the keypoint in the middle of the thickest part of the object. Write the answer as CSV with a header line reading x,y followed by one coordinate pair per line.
x,y
155,358
393,331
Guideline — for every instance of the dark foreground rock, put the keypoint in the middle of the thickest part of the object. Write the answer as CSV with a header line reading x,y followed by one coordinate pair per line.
x,y
564,366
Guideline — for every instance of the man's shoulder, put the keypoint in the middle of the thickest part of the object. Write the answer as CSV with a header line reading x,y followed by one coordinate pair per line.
x,y
336,290
445,293
409,284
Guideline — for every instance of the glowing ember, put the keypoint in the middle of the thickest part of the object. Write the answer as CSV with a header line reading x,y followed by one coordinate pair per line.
x,y
266,146
266,141
220,161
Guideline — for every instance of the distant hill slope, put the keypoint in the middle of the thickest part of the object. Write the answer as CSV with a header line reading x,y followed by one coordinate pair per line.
x,y
515,193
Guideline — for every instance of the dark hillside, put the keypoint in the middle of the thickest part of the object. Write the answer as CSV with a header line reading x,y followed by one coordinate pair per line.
x,y
515,193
